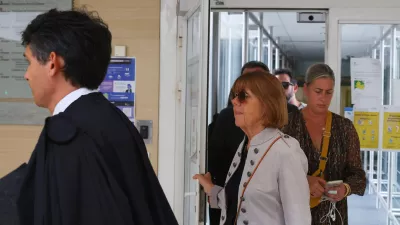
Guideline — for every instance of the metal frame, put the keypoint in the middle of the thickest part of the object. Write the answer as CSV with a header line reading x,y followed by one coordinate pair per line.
x,y
260,39
269,36
385,198
214,78
270,48
245,43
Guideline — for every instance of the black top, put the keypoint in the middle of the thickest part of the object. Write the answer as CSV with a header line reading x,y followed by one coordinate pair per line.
x,y
232,188
90,166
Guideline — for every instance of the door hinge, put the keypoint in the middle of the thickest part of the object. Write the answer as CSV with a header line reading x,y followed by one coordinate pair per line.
x,y
180,34
179,91
180,42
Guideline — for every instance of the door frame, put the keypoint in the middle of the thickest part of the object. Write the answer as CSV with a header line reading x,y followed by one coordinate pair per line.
x,y
339,16
183,36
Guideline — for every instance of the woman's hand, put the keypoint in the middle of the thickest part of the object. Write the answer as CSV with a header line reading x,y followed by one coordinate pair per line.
x,y
317,186
341,192
205,181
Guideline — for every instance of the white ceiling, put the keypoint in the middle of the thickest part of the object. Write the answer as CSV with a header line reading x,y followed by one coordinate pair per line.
x,y
306,41
301,40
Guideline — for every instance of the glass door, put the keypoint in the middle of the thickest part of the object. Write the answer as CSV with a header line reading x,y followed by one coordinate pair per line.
x,y
365,58
195,111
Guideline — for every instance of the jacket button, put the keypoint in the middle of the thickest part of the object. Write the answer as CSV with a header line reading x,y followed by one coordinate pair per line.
x,y
243,210
234,164
229,174
239,154
245,184
222,217
286,136
249,174
256,150
242,198
245,222
252,162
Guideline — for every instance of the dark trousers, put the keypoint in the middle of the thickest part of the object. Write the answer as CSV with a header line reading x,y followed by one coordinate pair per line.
x,y
215,215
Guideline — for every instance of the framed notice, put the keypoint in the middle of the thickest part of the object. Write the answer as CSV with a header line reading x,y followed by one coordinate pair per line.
x,y
14,17
366,122
391,128
120,83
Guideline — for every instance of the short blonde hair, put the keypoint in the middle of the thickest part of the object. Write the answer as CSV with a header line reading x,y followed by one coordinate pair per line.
x,y
319,70
271,94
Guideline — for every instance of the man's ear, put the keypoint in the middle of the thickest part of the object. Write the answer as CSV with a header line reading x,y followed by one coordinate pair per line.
x,y
295,88
55,64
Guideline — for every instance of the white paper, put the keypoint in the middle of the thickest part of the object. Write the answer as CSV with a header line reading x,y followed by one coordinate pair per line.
x,y
127,112
366,81
12,62
349,114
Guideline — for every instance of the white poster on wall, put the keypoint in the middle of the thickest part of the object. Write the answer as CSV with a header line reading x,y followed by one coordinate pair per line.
x,y
349,113
366,81
12,62
15,15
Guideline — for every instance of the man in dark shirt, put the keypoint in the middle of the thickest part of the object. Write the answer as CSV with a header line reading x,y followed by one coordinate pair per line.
x,y
226,138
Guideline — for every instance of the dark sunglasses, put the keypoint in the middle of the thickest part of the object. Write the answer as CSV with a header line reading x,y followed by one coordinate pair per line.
x,y
241,96
285,85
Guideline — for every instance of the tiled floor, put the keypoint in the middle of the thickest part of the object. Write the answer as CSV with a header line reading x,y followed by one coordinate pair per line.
x,y
362,211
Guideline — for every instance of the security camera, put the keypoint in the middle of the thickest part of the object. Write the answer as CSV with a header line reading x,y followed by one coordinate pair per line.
x,y
311,17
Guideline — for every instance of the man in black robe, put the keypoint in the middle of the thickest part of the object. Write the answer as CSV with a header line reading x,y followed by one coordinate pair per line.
x,y
226,138
90,165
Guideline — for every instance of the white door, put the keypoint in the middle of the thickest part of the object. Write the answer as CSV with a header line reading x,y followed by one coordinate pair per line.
x,y
196,50
371,33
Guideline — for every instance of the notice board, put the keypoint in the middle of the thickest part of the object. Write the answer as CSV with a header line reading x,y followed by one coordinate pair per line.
x,y
119,84
14,17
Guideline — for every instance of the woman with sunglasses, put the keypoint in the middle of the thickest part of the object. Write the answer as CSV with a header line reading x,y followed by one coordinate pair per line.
x,y
266,183
332,147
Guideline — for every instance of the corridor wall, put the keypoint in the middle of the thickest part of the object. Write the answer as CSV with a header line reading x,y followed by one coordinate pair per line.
x,y
134,24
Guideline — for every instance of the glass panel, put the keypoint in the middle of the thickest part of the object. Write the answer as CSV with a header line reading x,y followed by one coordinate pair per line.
x,y
374,41
230,53
264,53
192,115
254,36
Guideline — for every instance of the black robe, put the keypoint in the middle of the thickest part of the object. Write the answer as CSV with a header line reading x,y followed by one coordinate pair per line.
x,y
90,167
9,190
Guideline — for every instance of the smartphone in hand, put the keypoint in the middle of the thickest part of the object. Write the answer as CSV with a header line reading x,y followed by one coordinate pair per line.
x,y
333,183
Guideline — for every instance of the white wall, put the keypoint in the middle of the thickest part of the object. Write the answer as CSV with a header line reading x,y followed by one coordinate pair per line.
x,y
167,107
317,4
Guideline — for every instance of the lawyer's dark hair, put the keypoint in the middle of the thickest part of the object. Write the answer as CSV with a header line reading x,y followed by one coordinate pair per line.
x,y
80,37
254,64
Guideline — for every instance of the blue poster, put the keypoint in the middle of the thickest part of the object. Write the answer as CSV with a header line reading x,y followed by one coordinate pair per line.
x,y
119,84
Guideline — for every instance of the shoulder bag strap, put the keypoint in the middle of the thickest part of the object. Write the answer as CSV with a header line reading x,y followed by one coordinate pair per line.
x,y
325,146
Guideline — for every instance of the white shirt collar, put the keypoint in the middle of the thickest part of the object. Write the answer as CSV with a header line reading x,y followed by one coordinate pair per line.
x,y
70,98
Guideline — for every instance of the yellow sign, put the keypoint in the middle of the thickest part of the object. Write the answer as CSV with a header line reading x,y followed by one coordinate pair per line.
x,y
367,126
391,130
